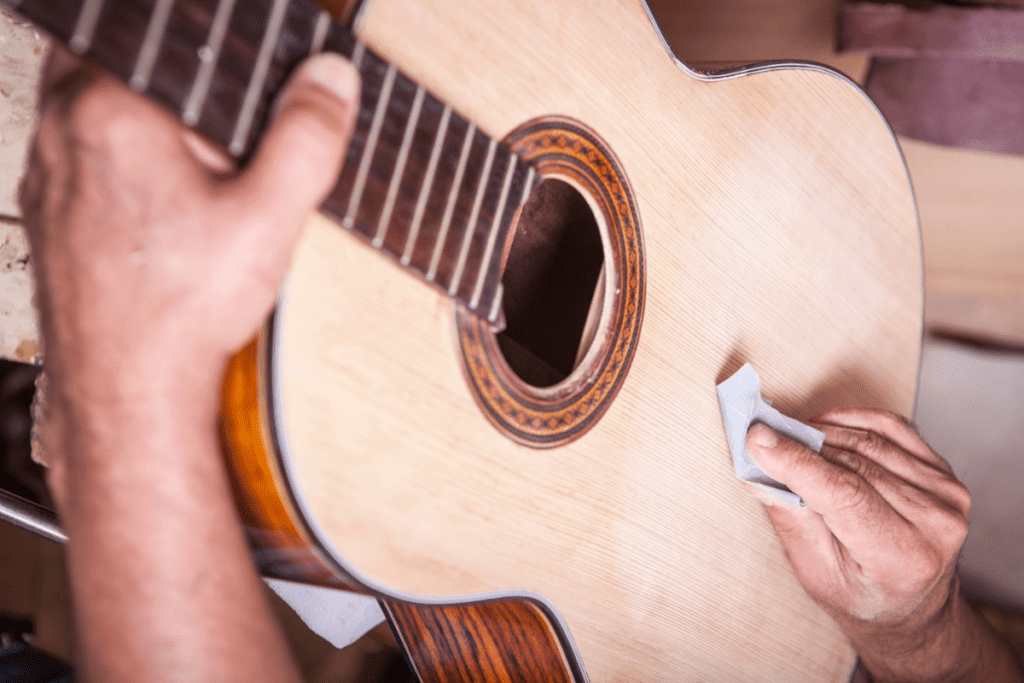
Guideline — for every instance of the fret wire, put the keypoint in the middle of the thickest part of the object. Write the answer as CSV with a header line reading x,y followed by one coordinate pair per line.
x,y
449,207
467,237
371,143
493,236
259,77
396,175
323,25
208,56
150,49
492,315
428,180
85,26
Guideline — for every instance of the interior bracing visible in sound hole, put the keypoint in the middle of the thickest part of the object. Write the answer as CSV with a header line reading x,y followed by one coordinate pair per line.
x,y
552,299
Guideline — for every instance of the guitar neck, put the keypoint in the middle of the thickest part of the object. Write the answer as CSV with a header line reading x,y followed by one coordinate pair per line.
x,y
419,182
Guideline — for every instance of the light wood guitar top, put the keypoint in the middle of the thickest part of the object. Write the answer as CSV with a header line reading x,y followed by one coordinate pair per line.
x,y
779,228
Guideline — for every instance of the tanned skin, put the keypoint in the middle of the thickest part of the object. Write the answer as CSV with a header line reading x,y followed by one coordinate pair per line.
x,y
877,546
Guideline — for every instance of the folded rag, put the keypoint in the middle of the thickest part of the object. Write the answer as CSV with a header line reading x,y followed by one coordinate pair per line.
x,y
739,397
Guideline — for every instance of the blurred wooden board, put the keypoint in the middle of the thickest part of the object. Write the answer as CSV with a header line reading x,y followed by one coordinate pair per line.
x,y
22,49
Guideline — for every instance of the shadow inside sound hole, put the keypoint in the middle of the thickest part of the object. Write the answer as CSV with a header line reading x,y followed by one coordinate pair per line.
x,y
550,278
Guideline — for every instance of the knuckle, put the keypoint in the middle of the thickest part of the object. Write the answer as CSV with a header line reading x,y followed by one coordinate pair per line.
x,y
888,421
849,489
847,459
959,496
871,445
952,529
99,113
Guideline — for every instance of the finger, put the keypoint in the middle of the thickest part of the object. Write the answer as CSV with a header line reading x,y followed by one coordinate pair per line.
x,y
803,531
301,155
809,544
907,498
851,507
890,457
890,425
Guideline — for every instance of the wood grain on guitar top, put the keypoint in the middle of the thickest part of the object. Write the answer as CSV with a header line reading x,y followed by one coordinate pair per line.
x,y
779,229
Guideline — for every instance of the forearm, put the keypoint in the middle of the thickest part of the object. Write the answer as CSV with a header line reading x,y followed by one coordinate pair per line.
x,y
162,583
956,646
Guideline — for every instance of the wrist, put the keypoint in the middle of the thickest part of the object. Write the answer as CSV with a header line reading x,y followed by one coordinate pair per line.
x,y
951,644
92,411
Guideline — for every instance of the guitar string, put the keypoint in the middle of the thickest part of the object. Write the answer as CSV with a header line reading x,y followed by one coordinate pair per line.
x,y
208,56
150,49
499,292
470,228
323,25
492,237
371,143
396,174
446,220
258,79
85,26
428,181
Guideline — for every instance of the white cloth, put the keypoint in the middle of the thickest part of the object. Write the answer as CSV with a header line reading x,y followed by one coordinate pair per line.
x,y
739,397
339,617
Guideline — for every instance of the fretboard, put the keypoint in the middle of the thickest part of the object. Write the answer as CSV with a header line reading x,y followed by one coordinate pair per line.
x,y
419,182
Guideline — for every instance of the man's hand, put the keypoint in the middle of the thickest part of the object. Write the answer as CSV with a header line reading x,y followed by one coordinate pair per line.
x,y
148,244
877,545
155,259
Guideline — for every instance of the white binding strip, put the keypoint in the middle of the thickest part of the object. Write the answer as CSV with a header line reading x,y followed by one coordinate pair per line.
x,y
492,238
371,143
396,175
150,49
323,25
259,76
208,56
449,207
85,26
467,236
428,181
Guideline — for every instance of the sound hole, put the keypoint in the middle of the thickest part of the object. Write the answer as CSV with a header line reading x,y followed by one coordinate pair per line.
x,y
552,298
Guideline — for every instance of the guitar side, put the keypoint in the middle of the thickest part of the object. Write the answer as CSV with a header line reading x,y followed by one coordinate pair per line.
x,y
773,235
478,641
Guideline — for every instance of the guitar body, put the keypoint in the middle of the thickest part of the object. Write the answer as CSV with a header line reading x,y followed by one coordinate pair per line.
x,y
591,529
776,225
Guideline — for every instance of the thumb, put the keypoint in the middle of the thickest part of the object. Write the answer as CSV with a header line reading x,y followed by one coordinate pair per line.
x,y
301,154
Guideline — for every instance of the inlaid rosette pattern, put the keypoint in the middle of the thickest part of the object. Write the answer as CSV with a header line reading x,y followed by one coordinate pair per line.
x,y
545,418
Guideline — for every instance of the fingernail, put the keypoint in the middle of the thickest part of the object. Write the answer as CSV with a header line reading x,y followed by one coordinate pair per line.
x,y
763,436
334,73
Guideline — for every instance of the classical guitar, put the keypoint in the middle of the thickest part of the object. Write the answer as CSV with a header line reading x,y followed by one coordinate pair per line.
x,y
487,393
